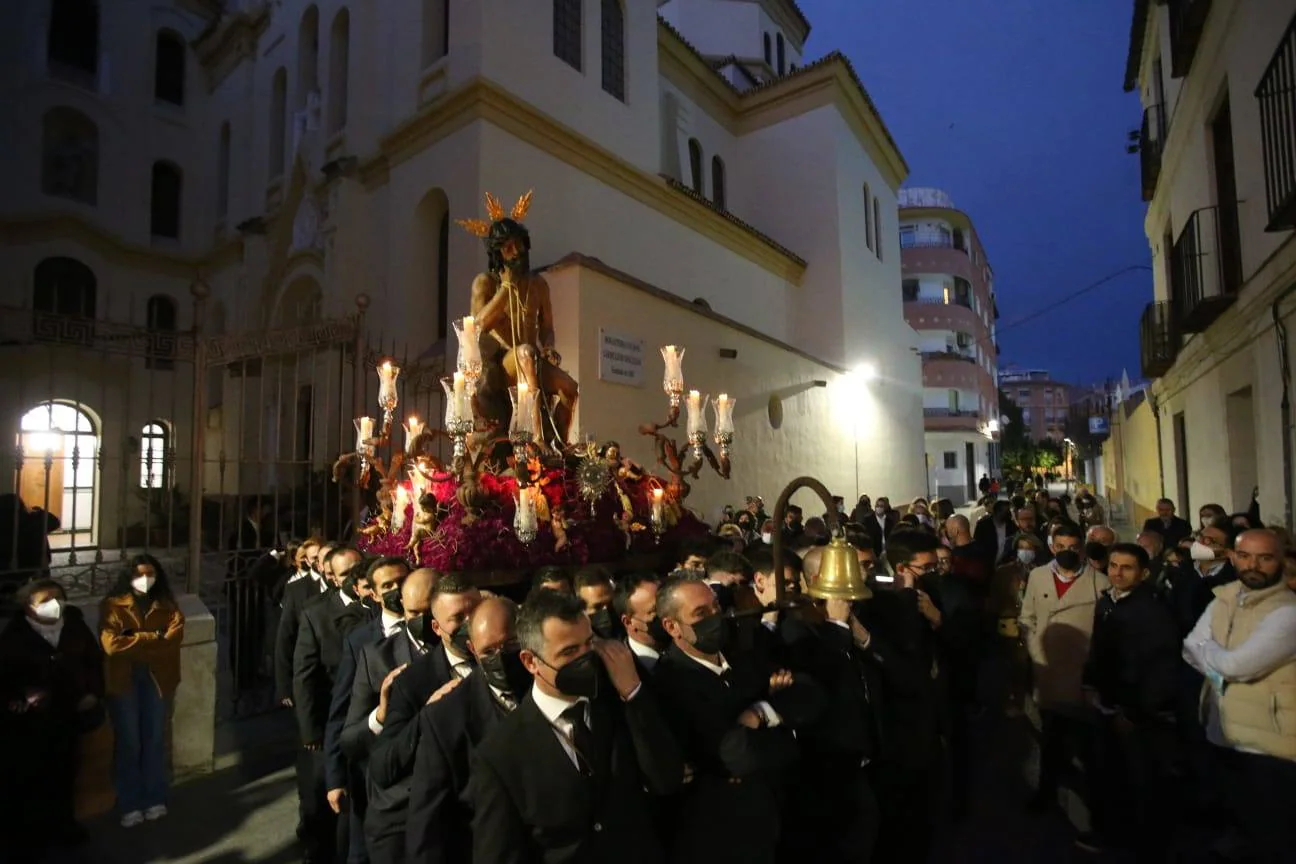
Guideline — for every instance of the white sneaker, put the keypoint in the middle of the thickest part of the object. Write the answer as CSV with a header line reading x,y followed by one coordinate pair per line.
x,y
156,812
131,819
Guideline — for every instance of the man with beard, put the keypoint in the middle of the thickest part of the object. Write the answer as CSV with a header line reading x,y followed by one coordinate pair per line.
x,y
595,589
1245,646
439,825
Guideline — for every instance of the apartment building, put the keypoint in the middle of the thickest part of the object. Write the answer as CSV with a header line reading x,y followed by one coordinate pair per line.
x,y
1045,403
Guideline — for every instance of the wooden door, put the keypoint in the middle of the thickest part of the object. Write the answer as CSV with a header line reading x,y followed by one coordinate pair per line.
x,y
35,481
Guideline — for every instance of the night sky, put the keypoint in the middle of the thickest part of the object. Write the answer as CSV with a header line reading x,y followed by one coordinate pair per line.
x,y
1016,109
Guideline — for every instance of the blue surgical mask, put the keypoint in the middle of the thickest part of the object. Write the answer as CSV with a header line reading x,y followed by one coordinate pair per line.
x,y
1026,556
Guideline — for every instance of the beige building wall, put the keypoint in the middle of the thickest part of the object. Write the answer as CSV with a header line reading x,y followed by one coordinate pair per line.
x,y
1130,468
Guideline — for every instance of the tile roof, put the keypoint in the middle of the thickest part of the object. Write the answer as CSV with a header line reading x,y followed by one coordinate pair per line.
x,y
1138,28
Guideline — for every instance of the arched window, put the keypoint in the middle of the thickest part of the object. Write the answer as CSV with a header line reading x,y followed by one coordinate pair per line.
x,y
161,312
70,155
60,469
877,228
782,65
868,217
613,27
443,276
436,30
307,56
223,172
432,256
567,32
63,298
169,67
164,204
695,165
339,70
278,117
72,50
769,55
718,182
154,464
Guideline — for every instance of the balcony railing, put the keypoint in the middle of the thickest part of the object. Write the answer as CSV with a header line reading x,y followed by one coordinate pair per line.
x,y
1151,142
949,412
965,302
951,354
1276,94
1158,339
913,239
1205,271
1187,20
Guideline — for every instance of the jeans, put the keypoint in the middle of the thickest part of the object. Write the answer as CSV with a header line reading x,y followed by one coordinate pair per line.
x,y
139,743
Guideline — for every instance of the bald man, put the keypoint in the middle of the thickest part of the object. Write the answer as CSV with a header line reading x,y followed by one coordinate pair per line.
x,y
439,827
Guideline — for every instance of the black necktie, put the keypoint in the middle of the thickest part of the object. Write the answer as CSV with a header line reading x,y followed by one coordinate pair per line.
x,y
581,738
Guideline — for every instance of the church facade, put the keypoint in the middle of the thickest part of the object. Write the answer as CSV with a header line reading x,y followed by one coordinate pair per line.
x,y
219,212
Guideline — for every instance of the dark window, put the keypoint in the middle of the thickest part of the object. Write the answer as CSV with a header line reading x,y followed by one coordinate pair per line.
x,y
63,298
443,275
695,164
169,68
910,289
951,460
769,55
718,182
161,313
223,172
278,117
70,155
164,210
877,228
567,32
436,30
782,60
339,70
614,49
73,47
868,217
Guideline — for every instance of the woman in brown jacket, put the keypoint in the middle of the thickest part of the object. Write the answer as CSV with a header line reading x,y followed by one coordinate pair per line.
x,y
141,629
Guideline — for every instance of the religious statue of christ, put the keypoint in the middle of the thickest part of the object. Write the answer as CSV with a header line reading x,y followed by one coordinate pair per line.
x,y
511,305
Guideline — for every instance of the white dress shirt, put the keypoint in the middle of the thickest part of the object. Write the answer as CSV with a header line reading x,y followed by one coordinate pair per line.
x,y
648,656
766,710
389,623
552,708
1271,644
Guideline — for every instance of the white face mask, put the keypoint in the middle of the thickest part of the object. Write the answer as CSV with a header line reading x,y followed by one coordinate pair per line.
x,y
767,538
49,610
143,584
1201,552
1026,556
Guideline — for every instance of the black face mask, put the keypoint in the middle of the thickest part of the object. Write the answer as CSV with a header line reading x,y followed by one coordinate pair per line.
x,y
391,601
711,635
604,624
504,671
420,627
1095,551
1067,559
459,639
580,677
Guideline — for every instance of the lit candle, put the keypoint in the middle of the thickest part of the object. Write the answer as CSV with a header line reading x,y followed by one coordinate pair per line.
x,y
697,412
526,509
463,408
364,431
673,380
388,372
469,348
413,429
724,408
658,508
525,408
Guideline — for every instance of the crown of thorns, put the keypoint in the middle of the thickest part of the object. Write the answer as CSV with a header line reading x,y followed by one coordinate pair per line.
x,y
495,212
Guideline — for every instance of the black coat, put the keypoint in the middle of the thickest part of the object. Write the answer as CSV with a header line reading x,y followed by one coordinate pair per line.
x,y
295,596
325,623
986,536
719,820
532,806
1134,654
1178,530
439,821
374,664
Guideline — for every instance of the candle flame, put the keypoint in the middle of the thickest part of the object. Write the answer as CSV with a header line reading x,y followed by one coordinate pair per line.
x,y
658,493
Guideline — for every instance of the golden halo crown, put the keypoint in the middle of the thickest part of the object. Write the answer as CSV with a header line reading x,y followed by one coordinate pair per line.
x,y
495,212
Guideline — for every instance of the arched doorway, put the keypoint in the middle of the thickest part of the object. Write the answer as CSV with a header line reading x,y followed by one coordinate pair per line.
x,y
60,470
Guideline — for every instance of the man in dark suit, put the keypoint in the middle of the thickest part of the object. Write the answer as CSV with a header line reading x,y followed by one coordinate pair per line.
x,y
1173,529
344,773
734,717
325,622
391,761
439,826
994,531
636,605
563,778
881,522
298,590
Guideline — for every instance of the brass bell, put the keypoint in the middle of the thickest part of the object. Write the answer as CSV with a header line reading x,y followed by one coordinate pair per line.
x,y
840,575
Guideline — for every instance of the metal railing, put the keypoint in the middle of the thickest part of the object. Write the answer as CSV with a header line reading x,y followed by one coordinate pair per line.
x,y
1158,338
1151,142
1204,271
1276,94
949,412
950,354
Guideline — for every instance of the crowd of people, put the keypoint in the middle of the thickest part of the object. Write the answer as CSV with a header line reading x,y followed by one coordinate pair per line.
x,y
687,715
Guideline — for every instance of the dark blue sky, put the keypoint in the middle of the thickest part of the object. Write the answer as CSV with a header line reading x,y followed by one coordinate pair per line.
x,y
1016,109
